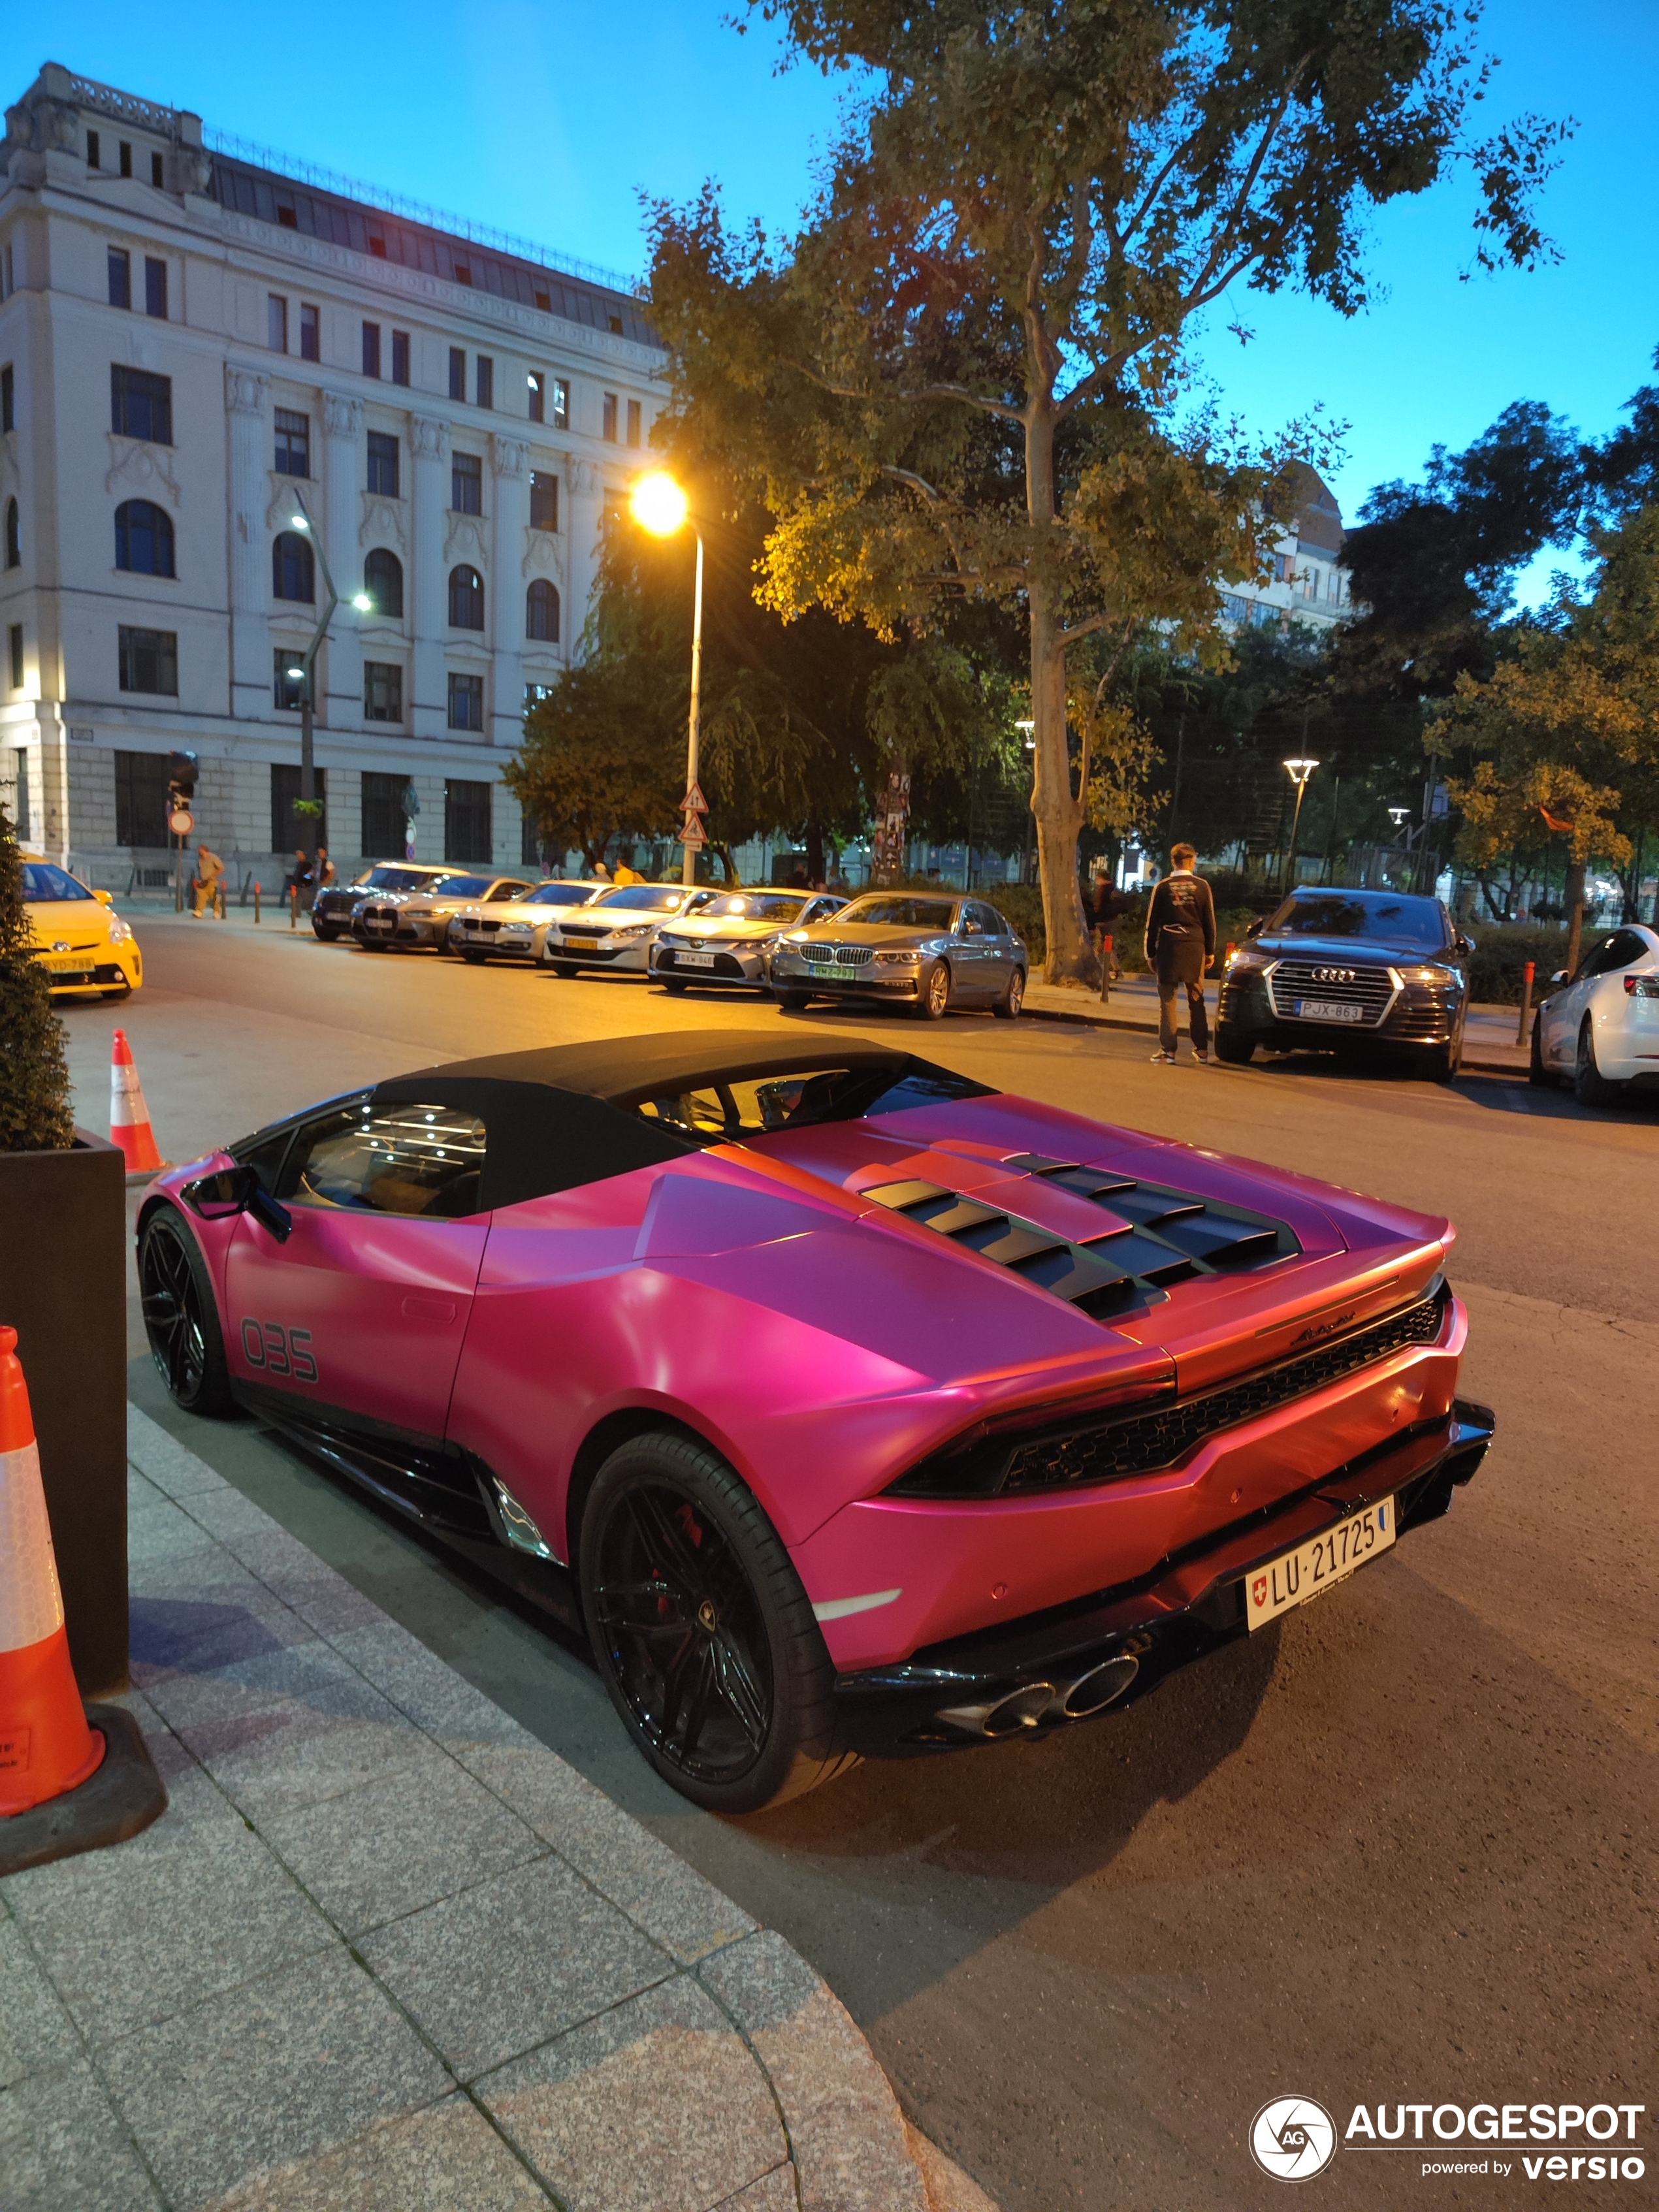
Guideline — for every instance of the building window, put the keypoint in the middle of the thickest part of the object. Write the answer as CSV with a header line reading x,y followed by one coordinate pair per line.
x,y
124,148
456,373
150,660
141,799
486,380
158,175
544,501
293,568
466,483
400,357
383,463
466,822
155,288
120,278
463,272
92,160
140,404
287,828
537,396
371,349
144,538
466,703
287,216
541,613
610,428
311,334
635,423
8,398
385,828
465,605
383,692
14,536
288,683
293,443
14,641
560,403
534,694
383,580
377,245
275,322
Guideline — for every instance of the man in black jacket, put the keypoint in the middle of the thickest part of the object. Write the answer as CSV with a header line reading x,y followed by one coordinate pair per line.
x,y
1180,947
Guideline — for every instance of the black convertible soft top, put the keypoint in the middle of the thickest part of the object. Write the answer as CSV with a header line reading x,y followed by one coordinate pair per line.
x,y
561,1115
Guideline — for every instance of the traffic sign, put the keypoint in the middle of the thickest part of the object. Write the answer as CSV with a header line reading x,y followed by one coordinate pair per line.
x,y
694,802
693,836
181,822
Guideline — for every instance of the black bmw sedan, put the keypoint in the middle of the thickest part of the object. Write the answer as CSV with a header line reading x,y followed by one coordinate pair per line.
x,y
1377,973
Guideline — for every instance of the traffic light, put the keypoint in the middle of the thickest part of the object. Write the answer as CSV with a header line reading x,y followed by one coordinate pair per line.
x,y
181,778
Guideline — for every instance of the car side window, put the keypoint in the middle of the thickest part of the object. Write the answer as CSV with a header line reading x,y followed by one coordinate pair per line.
x,y
1620,951
990,921
1600,958
416,1160
505,891
970,925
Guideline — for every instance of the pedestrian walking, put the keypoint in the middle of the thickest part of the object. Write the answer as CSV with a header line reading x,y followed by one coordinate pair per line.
x,y
1180,947
325,868
1109,903
302,882
208,884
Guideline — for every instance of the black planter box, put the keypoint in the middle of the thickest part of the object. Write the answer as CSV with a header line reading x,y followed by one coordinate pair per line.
x,y
62,1288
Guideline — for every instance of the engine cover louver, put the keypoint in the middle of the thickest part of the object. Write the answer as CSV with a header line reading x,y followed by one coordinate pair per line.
x,y
1160,1235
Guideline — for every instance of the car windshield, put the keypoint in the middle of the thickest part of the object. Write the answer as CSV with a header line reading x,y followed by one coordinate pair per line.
x,y
753,906
392,879
730,1112
42,882
558,895
462,887
1389,919
644,898
888,912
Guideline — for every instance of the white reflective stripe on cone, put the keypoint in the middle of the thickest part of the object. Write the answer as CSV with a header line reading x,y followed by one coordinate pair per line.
x,y
126,1097
31,1603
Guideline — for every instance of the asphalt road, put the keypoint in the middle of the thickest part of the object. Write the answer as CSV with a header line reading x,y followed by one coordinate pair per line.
x,y
1401,1849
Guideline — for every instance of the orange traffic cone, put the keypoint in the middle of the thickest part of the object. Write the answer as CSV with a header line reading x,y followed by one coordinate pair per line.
x,y
45,1746
129,1117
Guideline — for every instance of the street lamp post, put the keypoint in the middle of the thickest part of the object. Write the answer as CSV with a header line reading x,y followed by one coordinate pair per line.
x,y
1299,771
661,506
306,671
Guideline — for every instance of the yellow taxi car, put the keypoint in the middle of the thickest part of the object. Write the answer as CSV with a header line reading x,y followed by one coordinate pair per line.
x,y
85,947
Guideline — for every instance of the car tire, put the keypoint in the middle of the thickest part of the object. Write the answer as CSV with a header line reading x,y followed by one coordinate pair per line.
x,y
933,992
325,933
674,985
181,1317
1442,1063
1590,1086
792,1002
1232,1046
1537,1071
702,1633
1007,1007
560,967
474,959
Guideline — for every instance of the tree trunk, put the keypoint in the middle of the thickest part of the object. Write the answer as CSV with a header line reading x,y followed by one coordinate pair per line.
x,y
814,854
1575,904
1058,814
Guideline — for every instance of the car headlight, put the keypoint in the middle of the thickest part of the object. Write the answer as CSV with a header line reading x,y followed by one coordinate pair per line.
x,y
899,959
119,933
795,937
1247,956
640,929
1427,971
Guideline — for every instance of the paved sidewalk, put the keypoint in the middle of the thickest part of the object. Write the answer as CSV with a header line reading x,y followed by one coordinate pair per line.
x,y
386,1953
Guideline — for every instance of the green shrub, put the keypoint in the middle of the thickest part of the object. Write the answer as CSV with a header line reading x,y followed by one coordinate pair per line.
x,y
1502,951
34,1085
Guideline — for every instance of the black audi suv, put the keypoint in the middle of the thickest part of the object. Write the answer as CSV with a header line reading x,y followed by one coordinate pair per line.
x,y
1381,974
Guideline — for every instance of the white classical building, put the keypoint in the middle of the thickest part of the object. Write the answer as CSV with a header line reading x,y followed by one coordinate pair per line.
x,y
194,347
1309,584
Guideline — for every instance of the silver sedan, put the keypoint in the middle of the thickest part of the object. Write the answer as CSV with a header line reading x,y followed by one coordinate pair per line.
x,y
517,929
925,951
619,929
731,938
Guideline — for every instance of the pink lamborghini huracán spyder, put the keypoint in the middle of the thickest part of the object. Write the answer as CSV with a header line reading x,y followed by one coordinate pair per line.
x,y
851,1407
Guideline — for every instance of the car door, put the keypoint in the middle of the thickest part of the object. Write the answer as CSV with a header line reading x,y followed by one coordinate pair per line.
x,y
968,958
1563,1011
997,949
361,1313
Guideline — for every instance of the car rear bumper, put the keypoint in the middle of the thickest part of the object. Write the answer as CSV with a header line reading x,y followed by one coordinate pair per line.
x,y
1102,1652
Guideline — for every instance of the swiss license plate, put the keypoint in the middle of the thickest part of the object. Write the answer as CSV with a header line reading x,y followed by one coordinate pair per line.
x,y
834,971
1314,1567
1329,1010
694,959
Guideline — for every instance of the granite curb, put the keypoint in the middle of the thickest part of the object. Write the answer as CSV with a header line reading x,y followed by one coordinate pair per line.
x,y
385,1950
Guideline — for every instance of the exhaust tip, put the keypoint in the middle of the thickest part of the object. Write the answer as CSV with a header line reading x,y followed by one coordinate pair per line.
x,y
1020,1709
1101,1687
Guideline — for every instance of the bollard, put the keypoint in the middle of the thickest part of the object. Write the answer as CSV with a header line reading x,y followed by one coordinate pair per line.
x,y
256,901
1526,1001
294,907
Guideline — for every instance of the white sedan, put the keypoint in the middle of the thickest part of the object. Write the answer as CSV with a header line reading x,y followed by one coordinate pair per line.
x,y
730,940
518,929
1602,1029
619,929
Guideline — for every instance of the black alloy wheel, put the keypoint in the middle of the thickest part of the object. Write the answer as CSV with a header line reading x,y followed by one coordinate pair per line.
x,y
1441,1062
180,1318
706,1642
933,992
1590,1086
1007,1006
1536,1070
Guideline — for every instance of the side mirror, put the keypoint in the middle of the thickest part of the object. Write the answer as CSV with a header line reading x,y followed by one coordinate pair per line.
x,y
1255,927
1466,946
239,1190
105,898
1560,976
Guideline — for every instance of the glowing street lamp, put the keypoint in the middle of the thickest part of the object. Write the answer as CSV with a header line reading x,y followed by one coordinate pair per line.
x,y
661,506
1299,771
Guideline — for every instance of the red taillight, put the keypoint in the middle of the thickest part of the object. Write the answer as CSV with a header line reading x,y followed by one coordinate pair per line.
x,y
1642,987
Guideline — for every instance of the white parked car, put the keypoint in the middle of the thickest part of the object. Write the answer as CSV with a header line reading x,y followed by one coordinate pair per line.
x,y
1601,1030
518,929
619,929
730,940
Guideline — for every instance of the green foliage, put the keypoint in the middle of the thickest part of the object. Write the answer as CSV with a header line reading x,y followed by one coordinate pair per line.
x,y
1502,951
34,1084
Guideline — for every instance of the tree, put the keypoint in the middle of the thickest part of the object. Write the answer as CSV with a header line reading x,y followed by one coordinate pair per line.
x,y
964,377
34,1085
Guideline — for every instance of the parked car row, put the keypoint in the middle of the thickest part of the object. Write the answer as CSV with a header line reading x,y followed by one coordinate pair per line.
x,y
929,952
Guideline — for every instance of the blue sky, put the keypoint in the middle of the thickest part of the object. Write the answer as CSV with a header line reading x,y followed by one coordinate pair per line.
x,y
547,118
